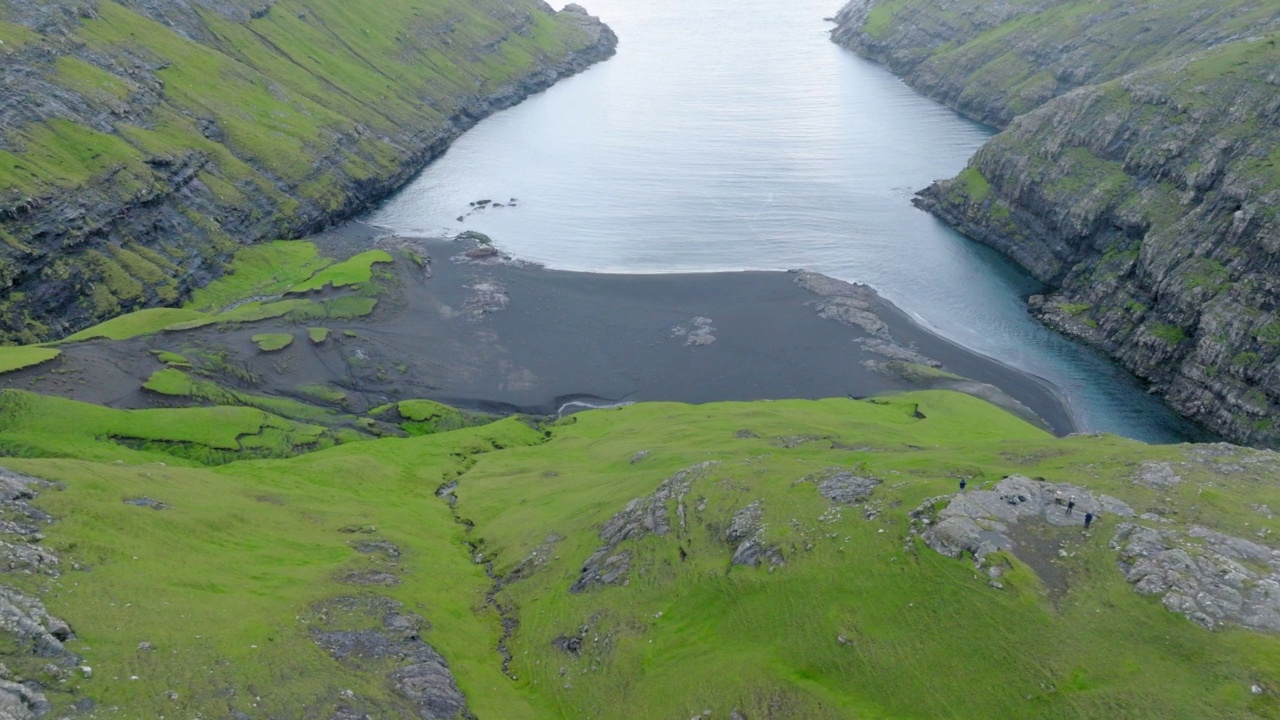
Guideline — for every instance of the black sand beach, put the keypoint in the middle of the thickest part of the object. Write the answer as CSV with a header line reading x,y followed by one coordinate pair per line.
x,y
491,333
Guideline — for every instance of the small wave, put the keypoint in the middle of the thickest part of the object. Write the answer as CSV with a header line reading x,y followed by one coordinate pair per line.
x,y
589,405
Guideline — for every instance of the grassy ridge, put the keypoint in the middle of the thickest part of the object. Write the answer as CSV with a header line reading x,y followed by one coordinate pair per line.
x,y
927,638
860,621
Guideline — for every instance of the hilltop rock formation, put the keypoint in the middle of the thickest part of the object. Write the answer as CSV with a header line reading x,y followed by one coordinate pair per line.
x,y
141,142
1136,176
979,522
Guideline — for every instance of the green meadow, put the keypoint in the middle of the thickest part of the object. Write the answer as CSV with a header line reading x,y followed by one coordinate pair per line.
x,y
861,620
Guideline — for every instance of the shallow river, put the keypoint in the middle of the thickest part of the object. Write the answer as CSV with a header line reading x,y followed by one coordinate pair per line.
x,y
735,135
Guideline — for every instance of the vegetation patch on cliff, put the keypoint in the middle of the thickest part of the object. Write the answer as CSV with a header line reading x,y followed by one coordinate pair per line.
x,y
1139,179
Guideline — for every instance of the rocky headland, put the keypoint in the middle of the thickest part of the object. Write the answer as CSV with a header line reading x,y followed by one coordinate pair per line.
x,y
142,142
1136,175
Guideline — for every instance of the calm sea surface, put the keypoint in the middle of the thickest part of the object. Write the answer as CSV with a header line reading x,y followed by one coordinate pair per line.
x,y
735,135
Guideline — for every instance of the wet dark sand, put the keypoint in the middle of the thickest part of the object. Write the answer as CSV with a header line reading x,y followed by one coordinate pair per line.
x,y
494,334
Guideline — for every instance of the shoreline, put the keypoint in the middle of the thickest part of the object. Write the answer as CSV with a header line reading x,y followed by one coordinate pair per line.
x,y
821,313
480,330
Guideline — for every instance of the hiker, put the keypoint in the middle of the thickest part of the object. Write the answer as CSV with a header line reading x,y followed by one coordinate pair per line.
x,y
1088,518
1071,505
963,482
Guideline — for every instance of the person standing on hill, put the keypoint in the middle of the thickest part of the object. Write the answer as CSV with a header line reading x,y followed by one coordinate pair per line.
x,y
963,482
1071,505
1088,520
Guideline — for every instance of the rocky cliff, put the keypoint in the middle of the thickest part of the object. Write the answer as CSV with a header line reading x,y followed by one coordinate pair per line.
x,y
142,141
1136,175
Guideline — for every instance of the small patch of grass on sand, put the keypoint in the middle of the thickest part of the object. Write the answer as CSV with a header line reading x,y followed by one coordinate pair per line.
x,y
25,356
271,342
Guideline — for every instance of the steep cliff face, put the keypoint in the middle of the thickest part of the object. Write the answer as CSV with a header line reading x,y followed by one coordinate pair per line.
x,y
142,141
1149,203
994,61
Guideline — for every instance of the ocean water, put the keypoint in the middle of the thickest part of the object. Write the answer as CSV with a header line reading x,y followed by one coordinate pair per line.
x,y
735,135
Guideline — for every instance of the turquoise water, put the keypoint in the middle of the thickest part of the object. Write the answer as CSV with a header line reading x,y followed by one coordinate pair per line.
x,y
729,136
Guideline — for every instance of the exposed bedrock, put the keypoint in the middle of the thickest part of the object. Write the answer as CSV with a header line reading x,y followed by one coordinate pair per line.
x,y
1136,175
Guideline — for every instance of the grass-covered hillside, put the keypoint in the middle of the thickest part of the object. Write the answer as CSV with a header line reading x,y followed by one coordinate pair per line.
x,y
242,507
140,142
1136,175
769,560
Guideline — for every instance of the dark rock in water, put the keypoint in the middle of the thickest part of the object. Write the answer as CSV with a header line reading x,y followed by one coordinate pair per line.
x,y
482,252
146,502
478,238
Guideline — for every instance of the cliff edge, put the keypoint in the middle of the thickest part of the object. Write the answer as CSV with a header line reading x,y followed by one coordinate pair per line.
x,y
141,142
1136,175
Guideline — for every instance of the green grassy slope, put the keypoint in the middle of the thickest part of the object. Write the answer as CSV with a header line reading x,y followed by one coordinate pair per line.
x,y
861,620
165,139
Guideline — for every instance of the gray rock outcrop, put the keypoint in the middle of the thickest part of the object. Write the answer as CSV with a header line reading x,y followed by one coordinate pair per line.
x,y
20,702
745,535
649,515
421,676
846,488
1212,578
979,522
25,624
